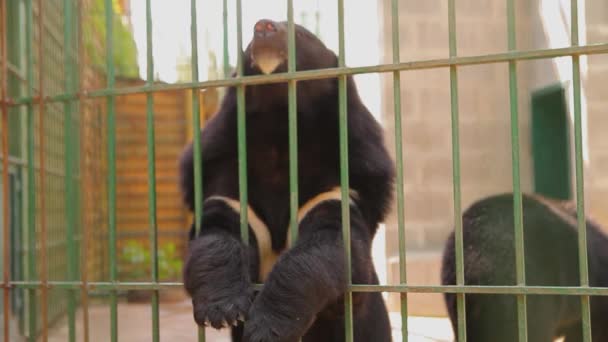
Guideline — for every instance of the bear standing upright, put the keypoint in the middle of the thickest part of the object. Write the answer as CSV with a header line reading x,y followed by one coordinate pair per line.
x,y
304,282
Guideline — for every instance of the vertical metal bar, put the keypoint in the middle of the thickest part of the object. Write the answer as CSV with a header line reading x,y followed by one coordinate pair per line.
x,y
42,177
196,123
343,132
152,172
580,180
69,167
399,160
520,266
241,129
31,179
84,227
5,198
111,167
225,23
458,236
293,126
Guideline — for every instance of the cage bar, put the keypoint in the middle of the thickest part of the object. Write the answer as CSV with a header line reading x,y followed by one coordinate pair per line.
x,y
152,173
31,180
293,127
111,112
520,268
345,203
226,59
580,180
42,178
6,217
241,129
456,183
84,297
69,167
196,123
591,49
511,289
399,162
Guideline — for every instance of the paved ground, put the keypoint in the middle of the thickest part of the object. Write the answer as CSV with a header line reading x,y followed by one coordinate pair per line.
x,y
134,322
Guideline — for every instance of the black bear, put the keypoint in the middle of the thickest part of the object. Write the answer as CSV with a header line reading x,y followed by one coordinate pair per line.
x,y
304,283
551,259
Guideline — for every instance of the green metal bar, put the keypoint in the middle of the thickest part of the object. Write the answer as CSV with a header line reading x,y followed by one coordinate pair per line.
x,y
241,129
520,266
69,167
152,173
31,179
42,178
343,132
84,297
515,289
5,197
399,160
293,126
111,167
592,49
196,123
510,289
225,46
580,180
24,164
456,184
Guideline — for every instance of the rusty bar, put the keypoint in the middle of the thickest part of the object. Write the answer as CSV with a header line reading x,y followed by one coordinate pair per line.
x,y
84,294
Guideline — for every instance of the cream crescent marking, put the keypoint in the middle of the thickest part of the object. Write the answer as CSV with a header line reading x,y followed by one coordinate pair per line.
x,y
267,256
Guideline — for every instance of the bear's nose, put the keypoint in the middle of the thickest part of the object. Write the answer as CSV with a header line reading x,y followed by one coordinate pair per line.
x,y
265,28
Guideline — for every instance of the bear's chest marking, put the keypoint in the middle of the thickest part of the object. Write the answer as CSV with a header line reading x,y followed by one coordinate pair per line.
x,y
267,255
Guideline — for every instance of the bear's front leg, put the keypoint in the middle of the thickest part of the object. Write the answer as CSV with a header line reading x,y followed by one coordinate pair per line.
x,y
309,277
217,270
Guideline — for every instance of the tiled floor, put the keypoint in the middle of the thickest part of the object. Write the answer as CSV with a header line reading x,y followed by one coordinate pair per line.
x,y
134,321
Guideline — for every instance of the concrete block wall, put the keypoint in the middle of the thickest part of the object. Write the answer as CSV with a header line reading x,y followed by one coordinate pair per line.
x,y
596,185
484,107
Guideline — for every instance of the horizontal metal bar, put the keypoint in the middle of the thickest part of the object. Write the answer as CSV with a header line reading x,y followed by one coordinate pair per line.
x,y
110,286
509,290
335,72
21,163
512,290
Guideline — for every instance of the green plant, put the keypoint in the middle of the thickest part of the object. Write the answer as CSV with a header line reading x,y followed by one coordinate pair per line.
x,y
136,259
124,47
169,262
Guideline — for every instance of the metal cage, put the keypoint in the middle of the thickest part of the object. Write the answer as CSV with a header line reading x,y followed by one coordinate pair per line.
x,y
53,101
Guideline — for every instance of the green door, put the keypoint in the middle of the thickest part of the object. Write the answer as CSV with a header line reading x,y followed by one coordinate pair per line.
x,y
551,143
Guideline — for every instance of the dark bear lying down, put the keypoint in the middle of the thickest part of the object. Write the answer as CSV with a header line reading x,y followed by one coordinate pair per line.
x,y
303,285
551,259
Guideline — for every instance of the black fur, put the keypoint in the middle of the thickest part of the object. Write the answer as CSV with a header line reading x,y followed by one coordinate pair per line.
x,y
551,259
302,296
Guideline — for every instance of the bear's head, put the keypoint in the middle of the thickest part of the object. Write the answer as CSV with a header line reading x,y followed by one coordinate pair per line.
x,y
267,53
268,50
